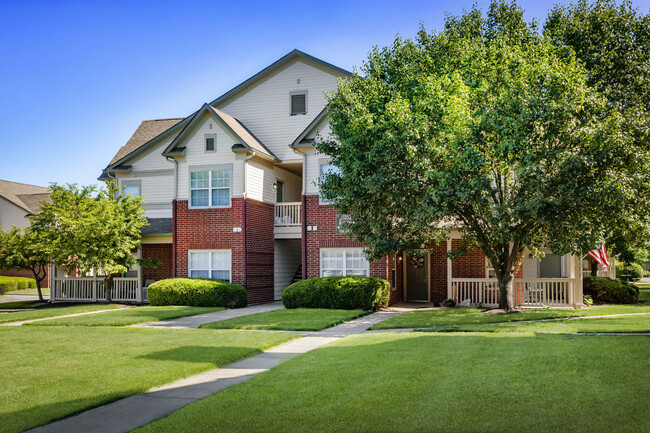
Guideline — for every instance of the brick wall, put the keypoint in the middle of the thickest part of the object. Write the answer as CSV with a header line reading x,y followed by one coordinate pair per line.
x,y
27,274
162,252
209,229
259,251
324,218
470,265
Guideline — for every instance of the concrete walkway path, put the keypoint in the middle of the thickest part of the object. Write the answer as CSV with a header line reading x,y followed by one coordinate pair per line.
x,y
140,409
190,322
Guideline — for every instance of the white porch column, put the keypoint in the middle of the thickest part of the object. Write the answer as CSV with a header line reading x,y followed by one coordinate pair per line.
x,y
448,270
52,283
577,281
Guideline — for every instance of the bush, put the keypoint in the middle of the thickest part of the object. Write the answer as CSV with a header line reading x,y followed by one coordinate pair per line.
x,y
8,284
605,290
347,293
629,271
196,292
449,303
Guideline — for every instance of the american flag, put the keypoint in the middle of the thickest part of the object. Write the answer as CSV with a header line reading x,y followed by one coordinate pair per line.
x,y
600,256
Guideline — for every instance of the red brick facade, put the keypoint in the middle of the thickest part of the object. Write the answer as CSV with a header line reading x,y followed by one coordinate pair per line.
x,y
162,252
212,229
27,274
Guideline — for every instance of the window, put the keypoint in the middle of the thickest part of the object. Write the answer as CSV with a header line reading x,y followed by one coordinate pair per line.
x,y
325,169
298,103
343,262
490,272
131,187
210,264
210,142
210,188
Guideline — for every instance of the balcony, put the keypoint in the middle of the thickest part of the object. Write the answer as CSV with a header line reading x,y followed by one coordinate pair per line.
x,y
288,220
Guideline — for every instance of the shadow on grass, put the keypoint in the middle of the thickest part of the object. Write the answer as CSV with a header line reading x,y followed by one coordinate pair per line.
x,y
202,354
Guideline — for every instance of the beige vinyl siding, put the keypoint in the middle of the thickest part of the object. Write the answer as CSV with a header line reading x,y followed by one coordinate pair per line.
x,y
260,178
12,215
312,171
264,107
287,259
156,189
151,159
195,155
292,184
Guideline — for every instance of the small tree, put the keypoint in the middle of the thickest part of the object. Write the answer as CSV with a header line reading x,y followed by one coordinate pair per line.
x,y
92,231
28,250
488,127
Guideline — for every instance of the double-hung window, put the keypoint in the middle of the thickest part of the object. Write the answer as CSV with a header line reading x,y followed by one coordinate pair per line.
x,y
131,187
325,169
210,188
343,262
215,264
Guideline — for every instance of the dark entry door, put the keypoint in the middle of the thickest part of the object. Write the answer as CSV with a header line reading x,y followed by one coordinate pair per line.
x,y
417,287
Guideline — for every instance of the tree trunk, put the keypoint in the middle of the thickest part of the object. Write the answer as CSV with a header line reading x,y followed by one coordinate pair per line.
x,y
108,288
38,289
507,292
594,268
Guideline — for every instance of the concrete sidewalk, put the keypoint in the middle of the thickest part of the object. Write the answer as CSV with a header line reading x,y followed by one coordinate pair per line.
x,y
140,409
190,322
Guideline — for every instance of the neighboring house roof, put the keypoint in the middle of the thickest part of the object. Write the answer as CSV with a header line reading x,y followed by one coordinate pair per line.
x,y
147,130
25,196
301,141
234,126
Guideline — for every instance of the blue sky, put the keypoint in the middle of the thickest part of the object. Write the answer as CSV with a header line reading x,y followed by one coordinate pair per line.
x,y
78,77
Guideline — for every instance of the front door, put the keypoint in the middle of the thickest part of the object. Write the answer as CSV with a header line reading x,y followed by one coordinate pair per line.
x,y
417,278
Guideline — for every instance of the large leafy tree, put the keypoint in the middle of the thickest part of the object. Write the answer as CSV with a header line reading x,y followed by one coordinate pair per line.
x,y
489,127
26,249
92,230
612,40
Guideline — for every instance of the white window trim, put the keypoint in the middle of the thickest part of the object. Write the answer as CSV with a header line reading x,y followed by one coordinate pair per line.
x,y
210,252
488,267
345,250
137,183
298,92
209,169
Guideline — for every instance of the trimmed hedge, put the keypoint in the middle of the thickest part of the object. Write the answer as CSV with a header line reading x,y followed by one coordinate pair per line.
x,y
197,292
8,284
633,271
607,291
345,293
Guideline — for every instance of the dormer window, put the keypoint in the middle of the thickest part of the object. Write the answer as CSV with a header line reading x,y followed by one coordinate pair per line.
x,y
210,142
298,102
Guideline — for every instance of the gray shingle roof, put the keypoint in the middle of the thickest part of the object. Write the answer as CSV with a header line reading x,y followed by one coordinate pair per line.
x,y
157,226
23,195
147,130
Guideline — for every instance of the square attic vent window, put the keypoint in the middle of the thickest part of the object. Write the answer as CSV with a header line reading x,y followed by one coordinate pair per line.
x,y
298,104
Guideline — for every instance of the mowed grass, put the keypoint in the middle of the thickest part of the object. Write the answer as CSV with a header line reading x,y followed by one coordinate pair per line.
x,y
23,305
468,316
44,291
53,311
128,316
297,319
49,373
625,324
417,382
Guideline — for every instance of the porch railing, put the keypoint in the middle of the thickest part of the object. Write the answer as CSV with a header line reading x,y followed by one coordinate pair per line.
x,y
91,289
555,292
288,214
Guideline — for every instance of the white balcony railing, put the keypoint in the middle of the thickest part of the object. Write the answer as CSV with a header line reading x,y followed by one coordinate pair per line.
x,y
91,289
538,292
288,214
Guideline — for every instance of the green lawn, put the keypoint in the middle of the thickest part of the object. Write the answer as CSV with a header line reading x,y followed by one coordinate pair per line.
x,y
439,383
467,316
128,316
53,311
45,291
298,319
609,324
22,305
52,372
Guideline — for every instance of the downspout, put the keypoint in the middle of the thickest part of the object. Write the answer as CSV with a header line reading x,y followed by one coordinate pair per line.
x,y
303,210
174,214
244,215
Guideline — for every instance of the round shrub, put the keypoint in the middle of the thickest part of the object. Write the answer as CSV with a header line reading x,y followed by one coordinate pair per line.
x,y
196,292
629,271
607,291
346,293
